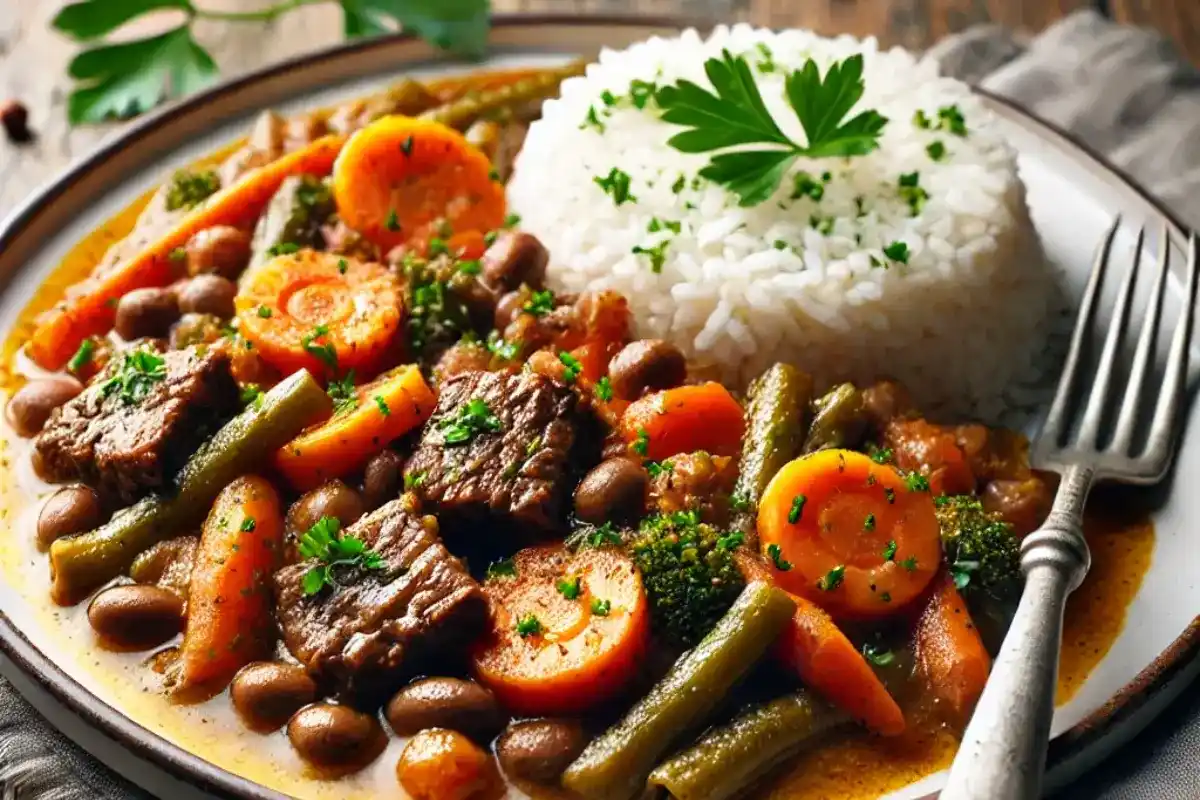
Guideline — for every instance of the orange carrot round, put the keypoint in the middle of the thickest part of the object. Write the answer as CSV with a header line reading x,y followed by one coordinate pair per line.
x,y
400,179
950,652
567,631
684,420
229,622
855,537
378,413
320,312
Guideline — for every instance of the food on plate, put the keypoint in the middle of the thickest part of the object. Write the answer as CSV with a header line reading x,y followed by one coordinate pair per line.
x,y
639,441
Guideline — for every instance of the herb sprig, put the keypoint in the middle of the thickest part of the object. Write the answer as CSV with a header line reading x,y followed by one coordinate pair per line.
x,y
735,115
324,542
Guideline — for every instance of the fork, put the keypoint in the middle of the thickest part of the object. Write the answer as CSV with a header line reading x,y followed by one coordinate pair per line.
x,y
1003,751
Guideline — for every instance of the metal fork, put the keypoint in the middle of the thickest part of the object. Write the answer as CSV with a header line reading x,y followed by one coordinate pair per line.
x,y
1003,752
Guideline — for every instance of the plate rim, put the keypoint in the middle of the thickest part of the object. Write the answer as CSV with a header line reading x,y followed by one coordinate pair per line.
x,y
1129,710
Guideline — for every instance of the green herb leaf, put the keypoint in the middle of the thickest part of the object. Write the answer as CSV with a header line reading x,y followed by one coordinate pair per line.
x,y
323,352
324,542
92,19
572,366
601,608
961,571
382,405
916,482
189,188
541,304
83,356
603,389
642,444
877,655
889,552
343,394
249,524
460,26
821,105
657,254
797,509
731,540
472,419
776,554
616,185
140,370
504,568
832,579
529,625
909,564
568,587
897,251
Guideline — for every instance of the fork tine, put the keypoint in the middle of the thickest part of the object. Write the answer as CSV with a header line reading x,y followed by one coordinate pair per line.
x,y
1144,355
1054,428
1093,415
1171,400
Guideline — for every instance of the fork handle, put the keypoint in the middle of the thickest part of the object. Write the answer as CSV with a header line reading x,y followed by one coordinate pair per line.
x,y
1003,751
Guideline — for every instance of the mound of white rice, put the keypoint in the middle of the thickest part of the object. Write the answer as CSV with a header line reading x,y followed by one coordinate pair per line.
x,y
795,278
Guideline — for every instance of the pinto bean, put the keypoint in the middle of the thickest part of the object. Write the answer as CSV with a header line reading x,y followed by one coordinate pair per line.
x,y
330,499
516,258
136,616
221,250
72,509
208,294
146,313
33,403
382,478
267,693
453,703
539,750
646,365
336,738
614,490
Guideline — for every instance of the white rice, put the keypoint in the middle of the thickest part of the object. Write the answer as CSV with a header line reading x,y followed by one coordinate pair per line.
x,y
962,324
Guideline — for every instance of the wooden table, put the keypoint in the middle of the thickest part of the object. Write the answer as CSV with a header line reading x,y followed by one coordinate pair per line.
x,y
33,58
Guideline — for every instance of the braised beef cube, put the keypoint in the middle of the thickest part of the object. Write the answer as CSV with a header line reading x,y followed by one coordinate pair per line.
x,y
497,451
139,420
368,629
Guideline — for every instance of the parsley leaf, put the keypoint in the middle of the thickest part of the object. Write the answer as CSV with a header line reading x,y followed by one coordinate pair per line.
x,y
473,418
832,579
504,568
776,554
603,389
140,370
734,114
325,542
343,394
529,625
568,587
460,26
877,655
601,608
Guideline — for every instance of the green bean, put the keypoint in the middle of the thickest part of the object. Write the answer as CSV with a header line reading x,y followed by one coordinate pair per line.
x,y
464,111
79,564
776,420
293,217
615,765
729,760
838,419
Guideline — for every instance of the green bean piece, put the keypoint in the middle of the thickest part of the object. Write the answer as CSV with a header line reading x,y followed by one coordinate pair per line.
x,y
293,219
463,112
838,419
776,421
79,564
615,765
730,759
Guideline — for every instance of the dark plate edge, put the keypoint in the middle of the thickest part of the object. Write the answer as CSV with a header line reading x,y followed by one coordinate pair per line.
x,y
1125,705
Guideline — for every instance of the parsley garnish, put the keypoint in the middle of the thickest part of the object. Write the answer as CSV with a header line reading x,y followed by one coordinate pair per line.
x,y
731,540
803,185
911,192
890,495
909,563
511,220
413,480
264,312
916,482
889,552
936,150
528,625
739,500
881,455
283,249
382,405
869,523
323,352
504,568
641,445
797,509
472,266
657,253
656,468
961,571
921,120
832,579
592,121
343,394
735,115
951,118
616,186
343,265
541,304
776,554
140,369
498,346
655,225
897,251
324,542
640,92
190,188
600,608
568,587
392,223
83,356
473,418
603,389
877,655
251,394
601,535
437,247
571,366
249,524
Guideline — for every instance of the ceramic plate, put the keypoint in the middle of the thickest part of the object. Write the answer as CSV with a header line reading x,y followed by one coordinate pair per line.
x,y
1073,197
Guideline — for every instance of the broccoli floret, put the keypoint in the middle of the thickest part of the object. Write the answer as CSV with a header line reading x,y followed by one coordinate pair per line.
x,y
689,573
982,552
189,189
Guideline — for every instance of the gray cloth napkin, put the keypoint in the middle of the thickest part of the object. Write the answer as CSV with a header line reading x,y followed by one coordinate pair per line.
x,y
1123,90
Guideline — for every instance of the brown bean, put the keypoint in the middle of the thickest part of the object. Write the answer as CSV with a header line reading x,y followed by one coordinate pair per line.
x,y
330,499
516,258
646,365
539,750
507,308
208,294
195,329
220,250
135,616
32,404
71,510
146,313
267,693
439,764
382,478
336,738
453,703
614,490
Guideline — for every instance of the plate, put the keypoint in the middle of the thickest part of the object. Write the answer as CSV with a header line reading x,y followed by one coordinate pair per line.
x,y
1072,195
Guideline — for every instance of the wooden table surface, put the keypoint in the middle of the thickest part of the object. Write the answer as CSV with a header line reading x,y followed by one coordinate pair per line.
x,y
33,58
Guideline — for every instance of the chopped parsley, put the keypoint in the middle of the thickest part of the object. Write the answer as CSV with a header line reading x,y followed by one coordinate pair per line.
x,y
473,418
641,445
598,536
251,393
679,184
776,554
140,370
603,389
437,247
832,579
767,62
343,265
568,587
490,238
951,118
472,266
889,494
504,568
283,249
910,563
655,225
797,509
189,188
739,500
592,120
616,186
83,356
325,353
877,655
916,482
640,92
177,254
804,185
869,523
264,312
571,365
897,251
881,455
656,468
248,525
498,346
540,304
393,221
512,220
600,608
731,540
609,98
382,405
528,625
413,480
889,552
921,120
324,542
911,192
961,571
936,150
657,254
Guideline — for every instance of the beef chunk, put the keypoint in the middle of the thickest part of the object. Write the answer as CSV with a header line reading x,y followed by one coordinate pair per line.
x,y
511,471
130,439
376,627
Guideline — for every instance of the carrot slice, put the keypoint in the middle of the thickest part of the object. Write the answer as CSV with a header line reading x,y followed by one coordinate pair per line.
x,y
400,179
950,652
683,420
567,631
855,537
90,309
229,621
320,312
816,650
383,410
